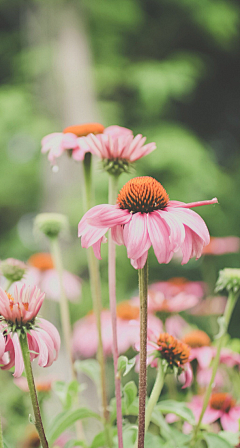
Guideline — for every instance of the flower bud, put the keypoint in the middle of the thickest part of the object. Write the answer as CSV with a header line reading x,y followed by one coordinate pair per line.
x,y
13,269
51,224
229,279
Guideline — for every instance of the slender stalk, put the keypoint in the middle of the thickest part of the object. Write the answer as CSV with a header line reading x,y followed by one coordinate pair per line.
x,y
143,292
1,434
33,394
156,391
64,309
232,299
95,282
112,195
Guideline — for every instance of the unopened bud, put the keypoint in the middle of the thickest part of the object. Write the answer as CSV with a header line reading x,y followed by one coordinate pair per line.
x,y
229,279
13,269
51,224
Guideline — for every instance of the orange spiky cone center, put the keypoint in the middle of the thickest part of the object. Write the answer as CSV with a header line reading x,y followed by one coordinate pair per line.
x,y
222,401
197,338
126,311
81,130
174,351
142,194
42,261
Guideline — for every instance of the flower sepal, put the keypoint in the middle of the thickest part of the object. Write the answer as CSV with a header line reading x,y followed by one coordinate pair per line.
x,y
116,166
229,279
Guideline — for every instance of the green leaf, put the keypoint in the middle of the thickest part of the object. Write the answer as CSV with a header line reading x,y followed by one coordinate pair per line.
x,y
125,364
67,392
130,393
153,441
231,437
91,368
214,441
73,443
66,419
177,408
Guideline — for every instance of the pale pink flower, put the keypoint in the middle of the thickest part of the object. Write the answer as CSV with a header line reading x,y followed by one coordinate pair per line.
x,y
20,312
119,143
175,352
85,336
71,138
175,295
204,377
41,272
144,217
221,406
222,245
43,384
210,305
201,348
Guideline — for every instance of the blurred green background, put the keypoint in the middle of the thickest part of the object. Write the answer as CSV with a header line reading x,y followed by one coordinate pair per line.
x,y
168,69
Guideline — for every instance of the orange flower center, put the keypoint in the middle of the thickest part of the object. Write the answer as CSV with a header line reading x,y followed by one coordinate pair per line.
x,y
197,338
43,386
143,194
127,312
12,301
81,130
222,401
174,351
42,261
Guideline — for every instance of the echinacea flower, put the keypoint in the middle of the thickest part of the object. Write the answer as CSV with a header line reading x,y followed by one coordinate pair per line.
x,y
221,406
118,148
201,349
13,269
18,314
174,353
43,384
41,272
85,335
175,295
71,139
144,217
222,245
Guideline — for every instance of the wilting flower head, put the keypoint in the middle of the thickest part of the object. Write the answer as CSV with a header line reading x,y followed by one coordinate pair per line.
x,y
221,406
41,272
18,314
174,353
71,140
175,295
223,245
85,335
144,217
229,279
118,148
13,269
201,349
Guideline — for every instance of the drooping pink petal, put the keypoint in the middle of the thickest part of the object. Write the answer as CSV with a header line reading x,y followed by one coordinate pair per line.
x,y
52,331
140,262
229,423
188,376
159,235
177,230
136,236
192,220
97,247
117,234
2,344
109,216
92,235
211,415
19,364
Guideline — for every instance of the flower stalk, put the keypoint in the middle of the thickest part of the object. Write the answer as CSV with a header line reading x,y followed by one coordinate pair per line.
x,y
156,391
231,302
33,394
1,433
64,309
143,293
112,196
95,283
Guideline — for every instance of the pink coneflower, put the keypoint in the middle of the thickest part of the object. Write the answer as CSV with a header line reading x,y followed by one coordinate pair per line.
x,y
223,245
42,384
41,272
173,351
144,217
201,349
19,314
71,139
221,406
117,143
175,295
85,336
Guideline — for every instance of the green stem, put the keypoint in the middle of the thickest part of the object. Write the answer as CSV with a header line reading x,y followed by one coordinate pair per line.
x,y
95,282
143,292
64,309
1,433
112,196
156,391
232,299
32,389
